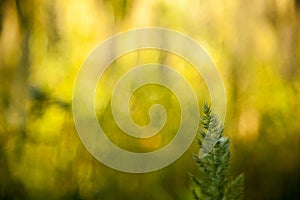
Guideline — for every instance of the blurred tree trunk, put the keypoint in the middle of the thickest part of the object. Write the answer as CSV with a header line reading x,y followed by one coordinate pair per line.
x,y
19,86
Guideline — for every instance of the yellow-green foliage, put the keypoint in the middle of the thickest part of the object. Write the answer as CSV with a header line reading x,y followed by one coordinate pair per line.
x,y
255,45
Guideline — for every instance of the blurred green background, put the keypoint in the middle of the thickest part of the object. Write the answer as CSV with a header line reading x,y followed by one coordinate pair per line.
x,y
255,45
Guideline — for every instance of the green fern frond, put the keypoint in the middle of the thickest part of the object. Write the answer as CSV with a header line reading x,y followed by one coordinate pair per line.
x,y
213,182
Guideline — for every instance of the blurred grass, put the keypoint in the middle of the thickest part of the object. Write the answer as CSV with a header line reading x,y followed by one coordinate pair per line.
x,y
255,44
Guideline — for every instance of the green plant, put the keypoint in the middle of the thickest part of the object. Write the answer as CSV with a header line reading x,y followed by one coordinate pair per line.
x,y
214,182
